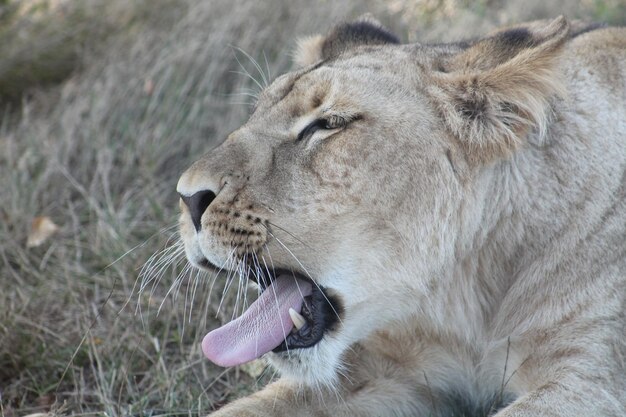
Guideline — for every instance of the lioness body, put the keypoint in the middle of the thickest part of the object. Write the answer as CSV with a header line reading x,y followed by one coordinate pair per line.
x,y
470,216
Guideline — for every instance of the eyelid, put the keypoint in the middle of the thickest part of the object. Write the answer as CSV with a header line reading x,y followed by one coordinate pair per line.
x,y
335,122
330,123
311,128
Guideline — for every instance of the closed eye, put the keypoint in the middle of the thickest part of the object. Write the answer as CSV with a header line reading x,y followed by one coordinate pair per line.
x,y
331,123
311,128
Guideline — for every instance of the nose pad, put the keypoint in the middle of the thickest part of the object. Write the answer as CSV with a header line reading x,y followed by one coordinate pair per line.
x,y
197,204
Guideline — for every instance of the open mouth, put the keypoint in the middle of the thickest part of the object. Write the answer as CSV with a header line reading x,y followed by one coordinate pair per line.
x,y
318,314
292,312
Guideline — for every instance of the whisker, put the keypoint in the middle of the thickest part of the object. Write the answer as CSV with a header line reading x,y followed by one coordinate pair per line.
x,y
224,264
189,280
175,284
264,78
307,272
290,234
240,273
282,324
152,268
253,94
257,273
147,267
267,66
246,73
229,280
243,103
159,274
154,260
246,281
153,271
199,274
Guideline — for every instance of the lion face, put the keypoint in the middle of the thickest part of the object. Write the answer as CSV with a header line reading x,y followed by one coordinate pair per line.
x,y
341,197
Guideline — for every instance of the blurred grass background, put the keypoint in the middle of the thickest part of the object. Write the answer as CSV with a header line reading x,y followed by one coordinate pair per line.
x,y
103,103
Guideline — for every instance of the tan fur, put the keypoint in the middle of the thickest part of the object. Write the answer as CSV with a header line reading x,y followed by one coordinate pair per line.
x,y
307,51
470,215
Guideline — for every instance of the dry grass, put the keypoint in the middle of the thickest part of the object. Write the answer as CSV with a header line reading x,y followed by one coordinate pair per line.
x,y
144,89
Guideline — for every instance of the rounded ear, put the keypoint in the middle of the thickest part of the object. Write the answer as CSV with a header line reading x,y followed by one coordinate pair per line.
x,y
364,31
493,93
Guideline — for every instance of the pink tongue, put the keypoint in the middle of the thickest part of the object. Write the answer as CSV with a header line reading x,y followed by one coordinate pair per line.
x,y
261,328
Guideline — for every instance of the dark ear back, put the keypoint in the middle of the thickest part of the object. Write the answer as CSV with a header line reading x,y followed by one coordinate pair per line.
x,y
504,45
364,31
361,32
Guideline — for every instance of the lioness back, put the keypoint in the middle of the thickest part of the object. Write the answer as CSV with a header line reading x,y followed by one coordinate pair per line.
x,y
434,230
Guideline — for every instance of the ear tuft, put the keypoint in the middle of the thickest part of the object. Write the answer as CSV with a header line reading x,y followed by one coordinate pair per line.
x,y
494,93
364,31
308,50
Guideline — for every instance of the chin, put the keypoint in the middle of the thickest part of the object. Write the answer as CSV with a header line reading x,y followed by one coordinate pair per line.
x,y
316,366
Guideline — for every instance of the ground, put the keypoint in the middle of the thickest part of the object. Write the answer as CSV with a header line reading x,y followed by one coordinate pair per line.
x,y
104,103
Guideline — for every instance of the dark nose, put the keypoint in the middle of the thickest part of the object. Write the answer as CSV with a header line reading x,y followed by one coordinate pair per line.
x,y
197,204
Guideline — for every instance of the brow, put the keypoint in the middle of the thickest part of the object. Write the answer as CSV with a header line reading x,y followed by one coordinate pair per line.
x,y
289,88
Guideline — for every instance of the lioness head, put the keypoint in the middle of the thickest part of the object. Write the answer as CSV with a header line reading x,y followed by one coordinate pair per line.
x,y
358,182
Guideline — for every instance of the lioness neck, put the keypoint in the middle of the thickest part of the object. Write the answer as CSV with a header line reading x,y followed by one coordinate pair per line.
x,y
554,196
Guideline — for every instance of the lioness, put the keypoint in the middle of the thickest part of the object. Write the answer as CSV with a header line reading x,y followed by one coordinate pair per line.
x,y
435,230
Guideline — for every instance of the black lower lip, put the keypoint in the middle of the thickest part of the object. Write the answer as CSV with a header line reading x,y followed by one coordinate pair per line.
x,y
264,277
324,316
204,263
